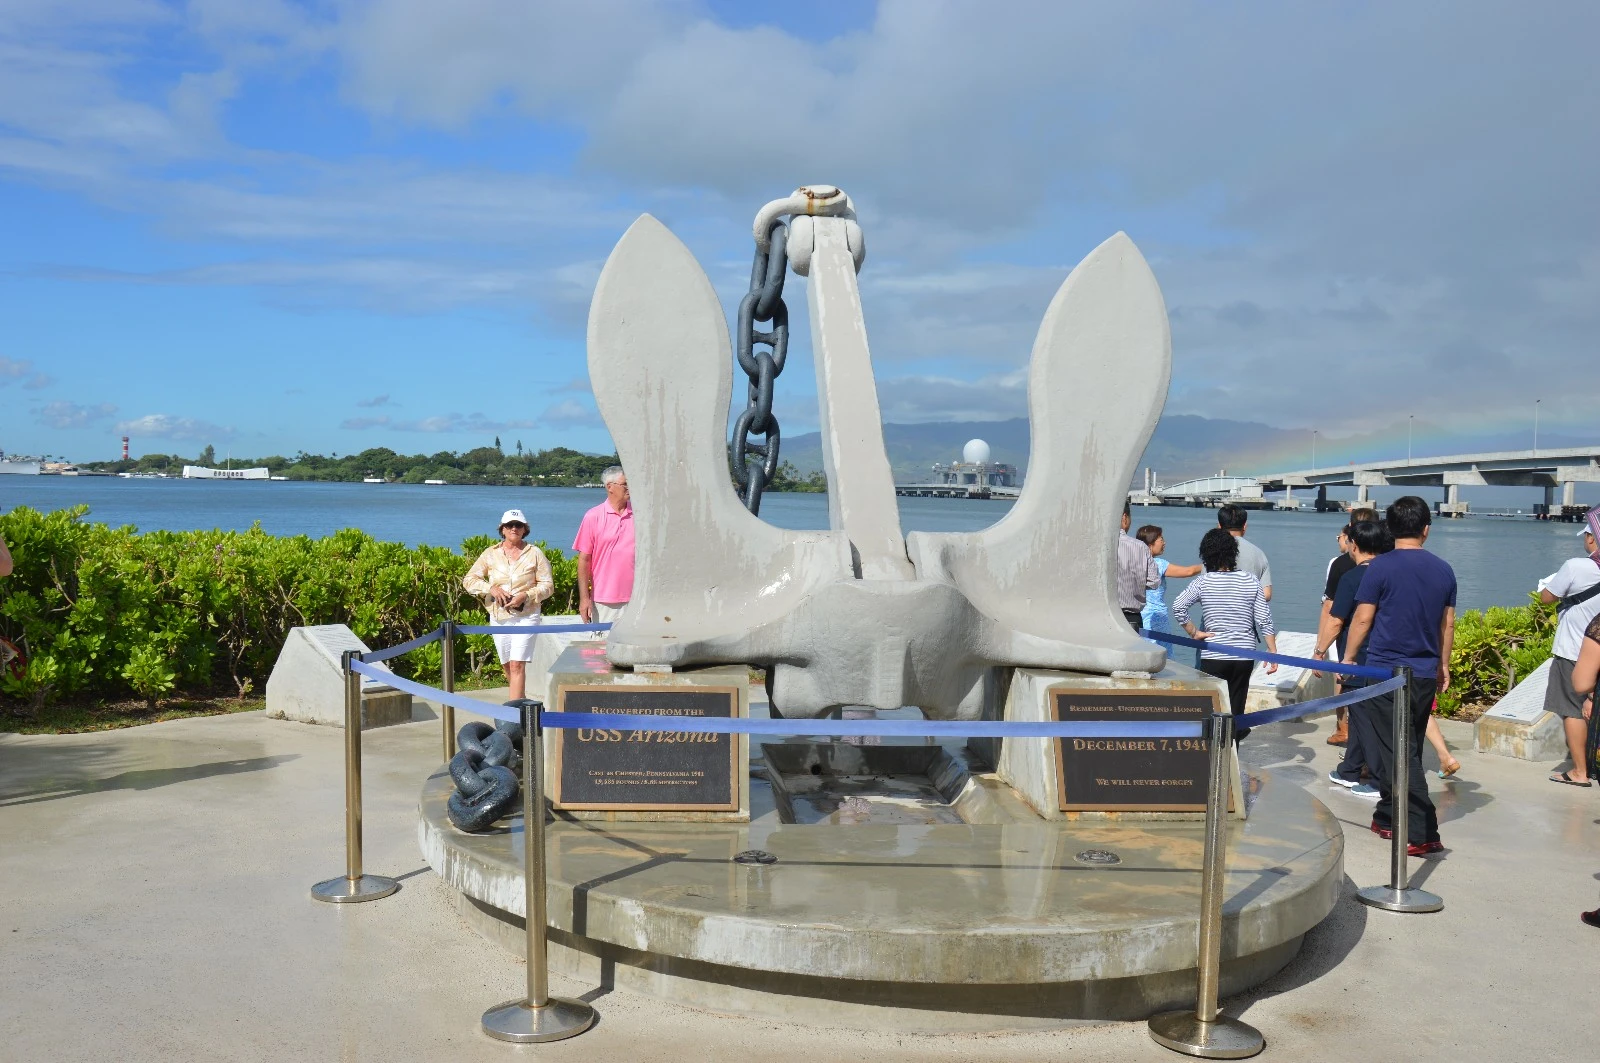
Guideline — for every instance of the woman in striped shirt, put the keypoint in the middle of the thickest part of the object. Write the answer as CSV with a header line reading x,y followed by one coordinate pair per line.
x,y
1236,614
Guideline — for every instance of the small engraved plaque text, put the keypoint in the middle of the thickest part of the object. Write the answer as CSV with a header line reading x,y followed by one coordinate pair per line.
x,y
620,768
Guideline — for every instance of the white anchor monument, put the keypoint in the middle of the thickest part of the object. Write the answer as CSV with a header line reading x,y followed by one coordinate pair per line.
x,y
860,615
1028,883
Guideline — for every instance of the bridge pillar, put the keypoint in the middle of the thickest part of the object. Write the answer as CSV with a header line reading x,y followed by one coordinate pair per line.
x,y
1569,493
1361,494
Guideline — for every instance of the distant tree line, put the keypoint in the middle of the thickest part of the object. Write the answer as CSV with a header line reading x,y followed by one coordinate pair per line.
x,y
556,467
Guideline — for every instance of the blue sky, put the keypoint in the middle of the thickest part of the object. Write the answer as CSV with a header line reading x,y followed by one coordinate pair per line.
x,y
328,226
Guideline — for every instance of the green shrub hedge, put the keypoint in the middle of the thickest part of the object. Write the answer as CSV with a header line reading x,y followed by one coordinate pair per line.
x,y
1494,648
110,612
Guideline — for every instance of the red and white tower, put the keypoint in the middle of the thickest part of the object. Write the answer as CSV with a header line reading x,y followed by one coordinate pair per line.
x,y
124,448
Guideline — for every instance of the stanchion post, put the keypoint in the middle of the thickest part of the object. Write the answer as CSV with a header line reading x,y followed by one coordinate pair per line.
x,y
447,670
1399,895
538,1016
1203,1030
353,886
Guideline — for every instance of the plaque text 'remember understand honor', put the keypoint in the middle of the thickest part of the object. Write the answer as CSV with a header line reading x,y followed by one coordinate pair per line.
x,y
618,768
1133,774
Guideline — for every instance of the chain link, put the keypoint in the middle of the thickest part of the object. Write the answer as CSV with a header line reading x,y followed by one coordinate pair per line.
x,y
756,464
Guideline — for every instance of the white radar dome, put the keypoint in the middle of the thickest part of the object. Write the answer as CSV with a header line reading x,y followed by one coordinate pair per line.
x,y
976,452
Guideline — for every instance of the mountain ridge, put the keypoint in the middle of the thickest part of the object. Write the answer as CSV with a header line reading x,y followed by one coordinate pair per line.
x,y
1183,446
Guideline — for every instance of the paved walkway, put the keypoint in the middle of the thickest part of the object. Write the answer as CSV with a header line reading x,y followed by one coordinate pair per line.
x,y
154,906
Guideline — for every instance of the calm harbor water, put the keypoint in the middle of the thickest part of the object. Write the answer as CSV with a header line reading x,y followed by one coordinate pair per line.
x,y
1496,561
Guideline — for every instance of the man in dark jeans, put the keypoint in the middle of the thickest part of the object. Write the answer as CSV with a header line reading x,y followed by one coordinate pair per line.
x,y
1368,539
1405,616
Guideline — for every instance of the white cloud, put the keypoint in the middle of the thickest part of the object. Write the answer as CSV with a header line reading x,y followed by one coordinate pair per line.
x,y
166,426
23,373
67,415
1329,197
997,397
394,285
446,423
569,413
375,402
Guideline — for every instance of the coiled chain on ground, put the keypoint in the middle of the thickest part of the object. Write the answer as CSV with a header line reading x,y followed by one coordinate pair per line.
x,y
484,770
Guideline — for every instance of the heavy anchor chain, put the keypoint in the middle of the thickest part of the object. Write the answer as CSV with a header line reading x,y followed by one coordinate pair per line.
x,y
756,464
485,775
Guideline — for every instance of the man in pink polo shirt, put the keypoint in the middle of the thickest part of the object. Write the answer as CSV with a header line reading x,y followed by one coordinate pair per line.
x,y
605,552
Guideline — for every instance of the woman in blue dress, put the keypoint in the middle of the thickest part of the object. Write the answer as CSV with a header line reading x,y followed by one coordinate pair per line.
x,y
1155,614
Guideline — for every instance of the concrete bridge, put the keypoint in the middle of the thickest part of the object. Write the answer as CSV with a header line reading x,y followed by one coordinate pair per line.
x,y
1547,468
1202,491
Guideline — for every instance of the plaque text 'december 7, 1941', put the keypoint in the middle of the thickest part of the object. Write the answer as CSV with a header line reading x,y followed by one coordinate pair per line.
x,y
619,768
1133,774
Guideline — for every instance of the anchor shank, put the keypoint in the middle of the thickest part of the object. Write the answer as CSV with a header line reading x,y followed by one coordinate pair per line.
x,y
861,501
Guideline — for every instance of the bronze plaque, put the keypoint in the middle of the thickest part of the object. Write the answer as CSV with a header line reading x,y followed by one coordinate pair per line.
x,y
657,771
1133,774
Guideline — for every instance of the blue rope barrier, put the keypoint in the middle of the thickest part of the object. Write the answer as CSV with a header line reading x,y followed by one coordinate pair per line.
x,y
854,728
541,629
421,690
725,725
1362,670
898,728
1311,708
373,656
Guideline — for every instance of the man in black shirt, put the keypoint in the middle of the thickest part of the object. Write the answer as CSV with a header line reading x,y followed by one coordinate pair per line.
x,y
1368,539
1336,571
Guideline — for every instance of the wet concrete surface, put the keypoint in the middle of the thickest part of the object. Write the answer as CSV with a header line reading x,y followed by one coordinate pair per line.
x,y
154,906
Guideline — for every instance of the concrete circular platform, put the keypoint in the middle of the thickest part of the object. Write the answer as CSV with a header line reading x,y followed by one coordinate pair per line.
x,y
921,928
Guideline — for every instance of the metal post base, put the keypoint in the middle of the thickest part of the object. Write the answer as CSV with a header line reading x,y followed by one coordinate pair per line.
x,y
519,1021
1226,1038
345,890
1407,900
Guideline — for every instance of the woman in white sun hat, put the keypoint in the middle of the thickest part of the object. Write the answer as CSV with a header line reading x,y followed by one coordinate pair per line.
x,y
512,578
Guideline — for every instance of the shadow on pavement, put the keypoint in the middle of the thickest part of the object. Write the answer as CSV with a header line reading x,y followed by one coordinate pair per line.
x,y
66,778
1325,947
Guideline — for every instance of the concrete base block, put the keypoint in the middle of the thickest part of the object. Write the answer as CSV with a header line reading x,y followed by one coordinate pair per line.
x,y
1518,726
925,928
306,684
1543,739
547,649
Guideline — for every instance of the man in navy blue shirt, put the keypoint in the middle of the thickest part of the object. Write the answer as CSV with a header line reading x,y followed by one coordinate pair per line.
x,y
1405,616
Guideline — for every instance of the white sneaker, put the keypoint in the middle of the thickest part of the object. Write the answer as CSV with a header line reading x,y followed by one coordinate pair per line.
x,y
1339,780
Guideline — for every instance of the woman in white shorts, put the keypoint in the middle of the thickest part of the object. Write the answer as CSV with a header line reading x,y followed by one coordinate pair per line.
x,y
512,578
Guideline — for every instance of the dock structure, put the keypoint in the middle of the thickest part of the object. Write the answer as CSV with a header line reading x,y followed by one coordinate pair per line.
x,y
954,490
1547,468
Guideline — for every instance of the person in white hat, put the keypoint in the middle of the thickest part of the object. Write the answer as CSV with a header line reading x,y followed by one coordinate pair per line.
x,y
512,578
1576,586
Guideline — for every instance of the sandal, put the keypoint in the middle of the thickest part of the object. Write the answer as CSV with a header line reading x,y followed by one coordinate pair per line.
x,y
1568,779
1447,770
